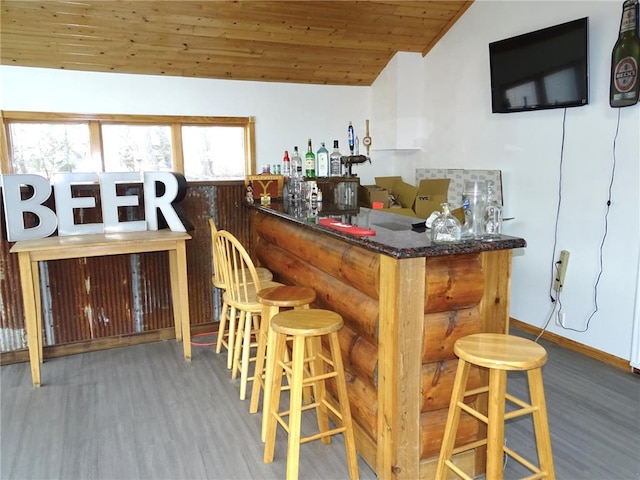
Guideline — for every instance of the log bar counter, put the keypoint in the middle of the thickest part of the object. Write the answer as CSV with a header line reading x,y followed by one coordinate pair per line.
x,y
405,301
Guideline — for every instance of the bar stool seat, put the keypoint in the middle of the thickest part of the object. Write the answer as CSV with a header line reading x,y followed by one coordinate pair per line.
x,y
272,299
499,354
307,327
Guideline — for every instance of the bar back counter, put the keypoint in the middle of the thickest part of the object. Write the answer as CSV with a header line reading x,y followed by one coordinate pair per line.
x,y
404,301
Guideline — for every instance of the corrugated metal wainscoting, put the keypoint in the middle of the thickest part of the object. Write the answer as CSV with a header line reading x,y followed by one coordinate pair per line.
x,y
99,300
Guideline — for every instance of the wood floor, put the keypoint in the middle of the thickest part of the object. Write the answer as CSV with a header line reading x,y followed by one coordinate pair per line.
x,y
142,412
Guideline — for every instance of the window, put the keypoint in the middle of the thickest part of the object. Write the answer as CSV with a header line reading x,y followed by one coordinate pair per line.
x,y
45,149
213,151
201,148
136,148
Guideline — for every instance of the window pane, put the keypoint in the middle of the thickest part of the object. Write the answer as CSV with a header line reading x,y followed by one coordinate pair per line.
x,y
136,148
523,95
45,149
213,153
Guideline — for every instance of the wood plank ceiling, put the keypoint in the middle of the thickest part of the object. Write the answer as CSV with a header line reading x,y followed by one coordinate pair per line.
x,y
319,42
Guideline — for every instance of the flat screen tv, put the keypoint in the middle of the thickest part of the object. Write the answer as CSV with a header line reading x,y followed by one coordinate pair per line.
x,y
539,70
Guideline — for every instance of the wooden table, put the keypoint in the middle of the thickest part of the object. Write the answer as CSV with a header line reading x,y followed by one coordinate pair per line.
x,y
30,252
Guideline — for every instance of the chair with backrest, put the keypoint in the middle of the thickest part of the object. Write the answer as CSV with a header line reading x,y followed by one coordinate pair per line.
x,y
226,333
242,285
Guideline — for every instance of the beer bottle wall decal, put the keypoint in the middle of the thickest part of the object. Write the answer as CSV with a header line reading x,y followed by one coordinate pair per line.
x,y
625,58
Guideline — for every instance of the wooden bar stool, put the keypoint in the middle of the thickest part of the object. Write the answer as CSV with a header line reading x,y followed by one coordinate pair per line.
x,y
272,299
498,353
307,327
226,333
241,294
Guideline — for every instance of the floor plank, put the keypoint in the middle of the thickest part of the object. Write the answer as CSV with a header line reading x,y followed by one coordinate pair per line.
x,y
142,412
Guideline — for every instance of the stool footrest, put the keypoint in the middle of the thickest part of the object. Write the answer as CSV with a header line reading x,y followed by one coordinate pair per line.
x,y
458,472
470,446
476,391
472,411
523,461
318,435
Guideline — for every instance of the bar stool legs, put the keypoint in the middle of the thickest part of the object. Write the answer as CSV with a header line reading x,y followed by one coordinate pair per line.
x,y
306,327
272,299
499,354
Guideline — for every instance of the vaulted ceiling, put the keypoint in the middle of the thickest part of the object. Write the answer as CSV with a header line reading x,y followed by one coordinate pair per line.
x,y
339,42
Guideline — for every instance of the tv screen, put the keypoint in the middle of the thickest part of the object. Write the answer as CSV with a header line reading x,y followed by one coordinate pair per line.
x,y
544,69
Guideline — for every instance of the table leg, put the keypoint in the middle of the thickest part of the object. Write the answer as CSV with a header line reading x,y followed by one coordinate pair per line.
x,y
180,295
175,293
30,291
35,272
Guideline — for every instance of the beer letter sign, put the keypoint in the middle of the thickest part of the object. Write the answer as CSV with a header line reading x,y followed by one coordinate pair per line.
x,y
62,219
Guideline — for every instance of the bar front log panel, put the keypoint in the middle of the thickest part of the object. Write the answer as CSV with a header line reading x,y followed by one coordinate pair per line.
x,y
404,302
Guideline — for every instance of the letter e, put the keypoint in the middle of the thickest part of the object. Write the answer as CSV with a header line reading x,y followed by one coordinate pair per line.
x,y
66,203
111,201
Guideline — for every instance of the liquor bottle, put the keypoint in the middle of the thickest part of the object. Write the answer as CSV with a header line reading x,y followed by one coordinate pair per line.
x,y
249,193
625,85
286,164
295,189
323,161
445,228
492,214
352,138
335,161
309,162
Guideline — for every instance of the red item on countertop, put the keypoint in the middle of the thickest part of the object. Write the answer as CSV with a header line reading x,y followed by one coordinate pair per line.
x,y
345,227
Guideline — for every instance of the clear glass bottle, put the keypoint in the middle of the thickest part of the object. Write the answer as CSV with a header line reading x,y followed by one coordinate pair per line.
x,y
335,160
286,164
445,227
322,157
492,214
309,162
474,202
295,188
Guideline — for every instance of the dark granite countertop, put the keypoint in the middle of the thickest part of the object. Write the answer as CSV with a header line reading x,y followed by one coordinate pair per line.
x,y
394,234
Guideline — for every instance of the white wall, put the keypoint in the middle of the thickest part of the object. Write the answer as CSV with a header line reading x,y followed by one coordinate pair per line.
x,y
286,114
461,132
441,102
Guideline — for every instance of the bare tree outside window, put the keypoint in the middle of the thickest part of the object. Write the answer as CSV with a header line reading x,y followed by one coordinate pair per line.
x,y
135,148
213,152
45,143
45,149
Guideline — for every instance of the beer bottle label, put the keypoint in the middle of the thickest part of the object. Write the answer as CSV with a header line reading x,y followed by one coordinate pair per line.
x,y
625,77
628,20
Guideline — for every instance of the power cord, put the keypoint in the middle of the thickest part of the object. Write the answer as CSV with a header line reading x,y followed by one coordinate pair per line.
x,y
554,263
604,234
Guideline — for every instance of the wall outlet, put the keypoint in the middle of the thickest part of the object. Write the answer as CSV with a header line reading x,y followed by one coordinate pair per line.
x,y
561,270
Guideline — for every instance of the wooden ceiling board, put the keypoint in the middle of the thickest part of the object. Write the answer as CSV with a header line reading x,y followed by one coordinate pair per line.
x,y
339,42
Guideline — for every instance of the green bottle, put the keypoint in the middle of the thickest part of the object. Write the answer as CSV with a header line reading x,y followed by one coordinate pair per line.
x,y
625,85
309,162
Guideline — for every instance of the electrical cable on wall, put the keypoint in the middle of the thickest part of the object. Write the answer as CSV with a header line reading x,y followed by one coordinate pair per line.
x,y
555,229
604,234
554,264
